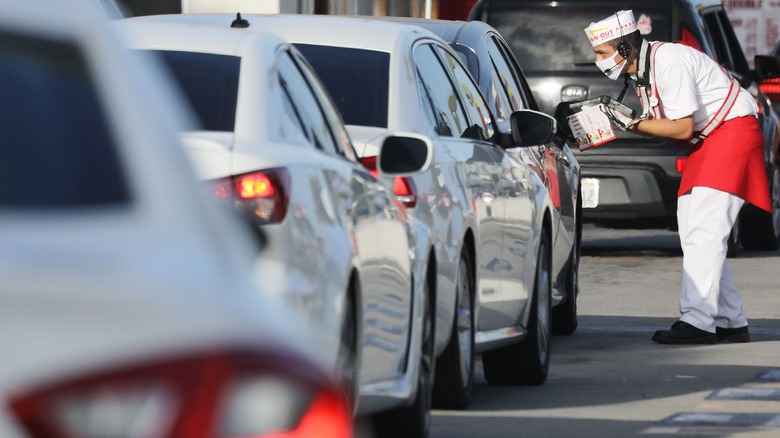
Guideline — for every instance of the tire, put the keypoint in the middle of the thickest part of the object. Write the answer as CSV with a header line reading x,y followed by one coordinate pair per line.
x,y
455,367
528,362
347,367
414,421
761,230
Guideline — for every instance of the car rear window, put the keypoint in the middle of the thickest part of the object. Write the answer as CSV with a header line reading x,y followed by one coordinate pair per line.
x,y
210,84
57,148
356,79
552,39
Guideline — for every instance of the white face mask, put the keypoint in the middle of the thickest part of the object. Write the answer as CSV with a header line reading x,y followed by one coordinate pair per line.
x,y
611,68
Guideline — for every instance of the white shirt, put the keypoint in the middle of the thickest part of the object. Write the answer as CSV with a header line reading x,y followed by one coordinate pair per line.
x,y
690,82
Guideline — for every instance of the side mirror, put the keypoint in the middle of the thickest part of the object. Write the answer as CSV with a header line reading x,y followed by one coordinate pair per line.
x,y
405,154
530,128
766,67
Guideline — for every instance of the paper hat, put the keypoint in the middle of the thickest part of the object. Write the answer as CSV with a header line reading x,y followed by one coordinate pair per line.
x,y
621,23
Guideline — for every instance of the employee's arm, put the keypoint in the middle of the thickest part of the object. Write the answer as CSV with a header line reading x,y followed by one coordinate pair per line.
x,y
678,129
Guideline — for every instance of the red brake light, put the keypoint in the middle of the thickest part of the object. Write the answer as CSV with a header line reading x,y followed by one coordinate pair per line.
x,y
405,191
224,395
679,164
265,194
253,186
404,187
324,419
370,164
771,88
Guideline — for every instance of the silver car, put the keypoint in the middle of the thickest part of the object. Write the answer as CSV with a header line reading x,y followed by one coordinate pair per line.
x,y
490,213
127,305
343,248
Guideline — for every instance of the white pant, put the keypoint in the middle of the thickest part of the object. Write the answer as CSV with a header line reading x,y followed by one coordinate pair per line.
x,y
708,297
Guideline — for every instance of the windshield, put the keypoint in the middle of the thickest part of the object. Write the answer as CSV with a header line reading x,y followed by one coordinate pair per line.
x,y
356,79
552,39
210,84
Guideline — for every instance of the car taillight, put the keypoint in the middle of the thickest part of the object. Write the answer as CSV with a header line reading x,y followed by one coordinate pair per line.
x,y
227,395
679,164
264,195
404,187
771,88
405,191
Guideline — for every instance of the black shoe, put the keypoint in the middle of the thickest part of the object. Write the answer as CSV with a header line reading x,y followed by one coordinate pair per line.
x,y
732,334
684,333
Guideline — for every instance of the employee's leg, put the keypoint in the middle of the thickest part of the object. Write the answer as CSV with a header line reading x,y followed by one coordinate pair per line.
x,y
707,216
730,314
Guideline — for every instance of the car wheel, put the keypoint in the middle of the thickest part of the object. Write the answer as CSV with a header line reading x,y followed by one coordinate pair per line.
x,y
528,362
761,230
414,421
455,367
347,366
564,320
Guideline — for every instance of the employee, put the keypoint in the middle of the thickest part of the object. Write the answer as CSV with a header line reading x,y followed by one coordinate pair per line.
x,y
686,95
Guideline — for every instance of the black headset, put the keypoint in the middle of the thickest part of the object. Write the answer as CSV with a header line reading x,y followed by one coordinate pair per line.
x,y
623,47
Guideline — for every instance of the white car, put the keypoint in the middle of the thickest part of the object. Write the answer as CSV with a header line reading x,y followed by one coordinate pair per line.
x,y
341,245
490,213
127,304
506,89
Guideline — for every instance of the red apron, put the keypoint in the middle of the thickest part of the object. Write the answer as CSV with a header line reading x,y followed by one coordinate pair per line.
x,y
730,159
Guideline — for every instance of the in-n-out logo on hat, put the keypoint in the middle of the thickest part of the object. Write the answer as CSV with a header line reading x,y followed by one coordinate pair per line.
x,y
621,23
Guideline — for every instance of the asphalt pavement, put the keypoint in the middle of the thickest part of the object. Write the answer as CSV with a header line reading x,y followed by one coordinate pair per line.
x,y
609,379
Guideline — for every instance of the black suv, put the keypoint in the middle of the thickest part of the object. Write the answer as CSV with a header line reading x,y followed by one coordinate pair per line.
x,y
633,181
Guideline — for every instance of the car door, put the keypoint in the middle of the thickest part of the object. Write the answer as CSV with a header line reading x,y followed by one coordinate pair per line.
x,y
514,206
473,163
370,215
561,172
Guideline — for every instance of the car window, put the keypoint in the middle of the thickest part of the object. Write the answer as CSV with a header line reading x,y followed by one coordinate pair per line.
x,y
305,104
210,84
428,105
450,117
526,94
550,39
505,76
58,149
342,142
356,79
727,47
480,121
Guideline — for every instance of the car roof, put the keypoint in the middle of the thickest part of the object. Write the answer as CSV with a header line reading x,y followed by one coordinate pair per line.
x,y
327,30
193,36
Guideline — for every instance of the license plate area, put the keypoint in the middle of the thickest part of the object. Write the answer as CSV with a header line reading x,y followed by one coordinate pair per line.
x,y
590,192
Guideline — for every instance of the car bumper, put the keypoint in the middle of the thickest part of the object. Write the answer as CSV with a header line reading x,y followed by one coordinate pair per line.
x,y
616,190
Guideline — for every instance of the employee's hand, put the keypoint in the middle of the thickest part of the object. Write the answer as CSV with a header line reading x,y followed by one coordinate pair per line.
x,y
618,119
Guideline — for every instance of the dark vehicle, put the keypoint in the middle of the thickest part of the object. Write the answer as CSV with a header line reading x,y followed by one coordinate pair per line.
x,y
632,181
771,87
